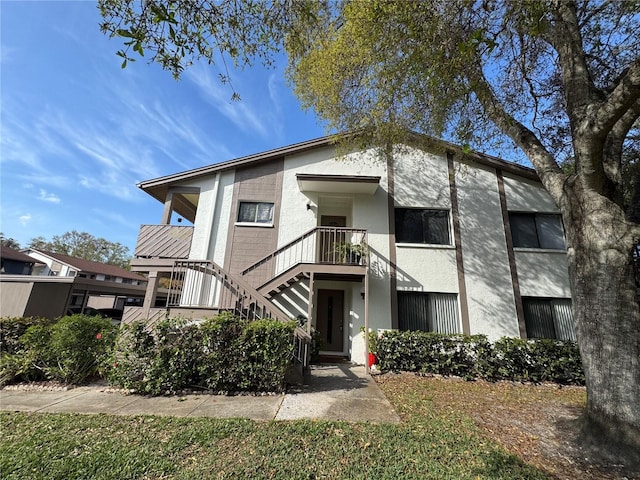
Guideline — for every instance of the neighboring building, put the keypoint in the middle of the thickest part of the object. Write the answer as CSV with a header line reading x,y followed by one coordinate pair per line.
x,y
13,262
59,284
99,285
453,242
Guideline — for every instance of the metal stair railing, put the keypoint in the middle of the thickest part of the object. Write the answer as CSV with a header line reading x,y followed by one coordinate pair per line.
x,y
204,284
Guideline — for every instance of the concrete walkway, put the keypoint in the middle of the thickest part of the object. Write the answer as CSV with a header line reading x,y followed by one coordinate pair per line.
x,y
334,392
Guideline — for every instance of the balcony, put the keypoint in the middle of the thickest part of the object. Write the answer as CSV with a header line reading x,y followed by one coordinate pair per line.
x,y
159,245
342,250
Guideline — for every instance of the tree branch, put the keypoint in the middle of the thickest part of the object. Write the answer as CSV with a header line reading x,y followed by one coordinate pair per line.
x,y
547,168
618,103
579,90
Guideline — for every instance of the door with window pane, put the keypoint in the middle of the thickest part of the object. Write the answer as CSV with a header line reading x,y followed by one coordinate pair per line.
x,y
330,320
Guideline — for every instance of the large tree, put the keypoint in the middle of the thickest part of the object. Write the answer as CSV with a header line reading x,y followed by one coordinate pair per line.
x,y
84,245
559,79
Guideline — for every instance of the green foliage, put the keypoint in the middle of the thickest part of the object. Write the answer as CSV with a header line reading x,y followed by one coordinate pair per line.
x,y
12,328
267,348
223,354
175,358
130,359
9,242
72,349
475,357
69,350
84,245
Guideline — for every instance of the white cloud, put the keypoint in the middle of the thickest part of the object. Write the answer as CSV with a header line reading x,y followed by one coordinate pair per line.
x,y
24,219
48,197
218,95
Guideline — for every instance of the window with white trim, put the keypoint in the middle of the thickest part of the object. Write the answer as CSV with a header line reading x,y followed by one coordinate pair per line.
x,y
549,318
421,225
537,230
255,212
428,312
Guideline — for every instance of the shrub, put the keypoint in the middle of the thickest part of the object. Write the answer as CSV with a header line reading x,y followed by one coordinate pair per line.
x,y
267,349
12,328
17,363
72,349
178,352
475,357
69,350
130,360
223,354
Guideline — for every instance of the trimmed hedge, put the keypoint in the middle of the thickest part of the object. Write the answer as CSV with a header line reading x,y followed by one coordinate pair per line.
x,y
222,354
70,350
474,356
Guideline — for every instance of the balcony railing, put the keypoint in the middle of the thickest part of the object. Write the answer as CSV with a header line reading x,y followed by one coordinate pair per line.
x,y
164,241
324,245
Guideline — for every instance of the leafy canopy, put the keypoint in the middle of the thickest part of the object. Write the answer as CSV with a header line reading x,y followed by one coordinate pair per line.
x,y
484,73
84,245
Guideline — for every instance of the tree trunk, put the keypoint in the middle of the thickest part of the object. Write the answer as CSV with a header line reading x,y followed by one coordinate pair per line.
x,y
607,315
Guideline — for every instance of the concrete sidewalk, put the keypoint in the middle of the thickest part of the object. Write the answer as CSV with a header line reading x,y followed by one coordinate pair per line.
x,y
334,392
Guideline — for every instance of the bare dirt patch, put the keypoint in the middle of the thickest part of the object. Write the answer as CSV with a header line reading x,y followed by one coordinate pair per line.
x,y
538,423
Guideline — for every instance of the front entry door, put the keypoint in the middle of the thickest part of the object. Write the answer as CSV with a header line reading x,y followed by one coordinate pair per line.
x,y
330,319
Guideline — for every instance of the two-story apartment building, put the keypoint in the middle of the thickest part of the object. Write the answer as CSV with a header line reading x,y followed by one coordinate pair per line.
x,y
428,237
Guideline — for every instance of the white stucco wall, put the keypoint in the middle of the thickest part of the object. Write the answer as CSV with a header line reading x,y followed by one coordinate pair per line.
x,y
422,180
366,211
426,269
204,216
294,300
541,273
221,221
486,263
527,196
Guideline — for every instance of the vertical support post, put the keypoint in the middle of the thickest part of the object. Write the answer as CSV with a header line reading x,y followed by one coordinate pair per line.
x,y
85,300
310,307
366,322
168,208
150,294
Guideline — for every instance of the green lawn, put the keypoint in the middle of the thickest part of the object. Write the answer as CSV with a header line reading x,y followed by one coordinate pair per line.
x,y
432,442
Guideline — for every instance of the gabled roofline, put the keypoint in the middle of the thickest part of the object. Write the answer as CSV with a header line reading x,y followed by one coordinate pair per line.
x,y
89,266
151,186
239,162
50,257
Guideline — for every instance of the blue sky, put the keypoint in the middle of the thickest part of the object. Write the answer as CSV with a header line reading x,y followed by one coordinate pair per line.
x,y
78,132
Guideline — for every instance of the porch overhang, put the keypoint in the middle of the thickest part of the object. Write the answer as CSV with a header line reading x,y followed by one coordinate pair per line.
x,y
344,184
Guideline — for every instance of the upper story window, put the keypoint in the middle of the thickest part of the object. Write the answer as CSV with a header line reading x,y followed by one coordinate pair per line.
x,y
256,212
537,230
420,225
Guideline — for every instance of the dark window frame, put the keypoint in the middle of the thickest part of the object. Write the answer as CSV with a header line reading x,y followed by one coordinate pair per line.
x,y
426,235
552,320
446,320
538,235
